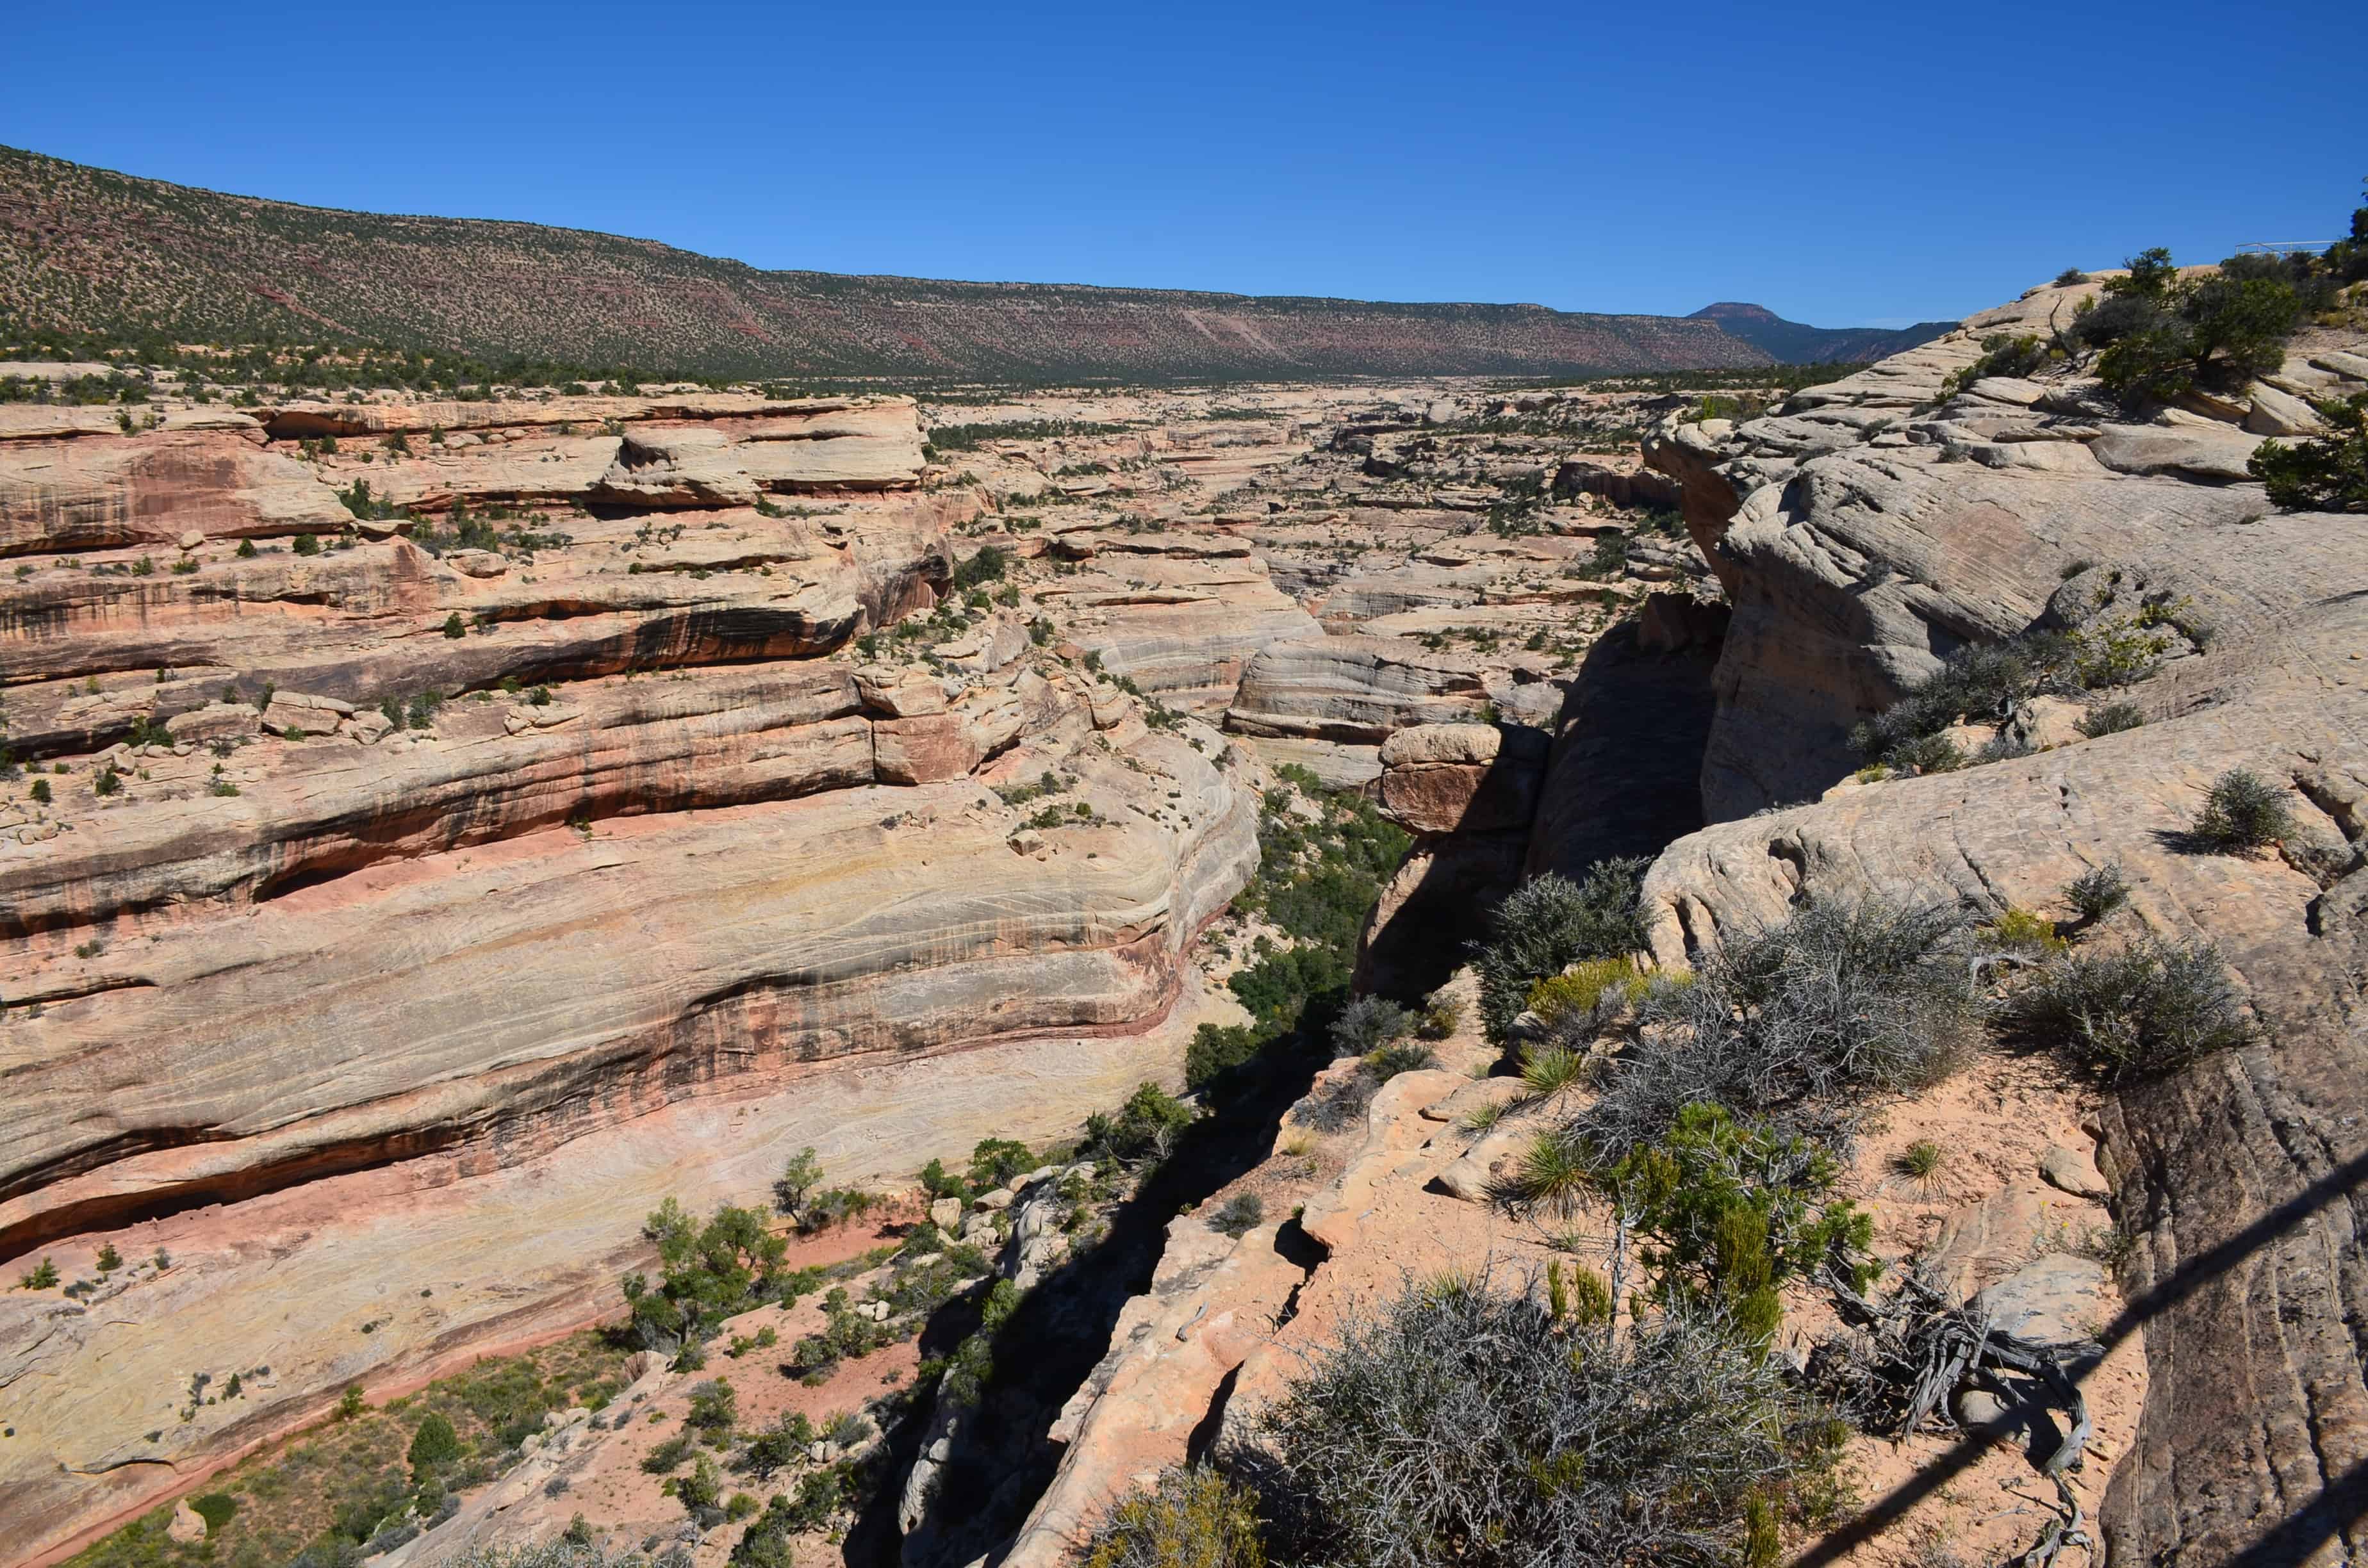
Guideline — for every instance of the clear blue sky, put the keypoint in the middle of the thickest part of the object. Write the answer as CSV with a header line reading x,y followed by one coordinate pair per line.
x,y
1841,163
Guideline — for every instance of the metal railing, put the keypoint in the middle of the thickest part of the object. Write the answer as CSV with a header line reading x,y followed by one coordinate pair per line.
x,y
2283,247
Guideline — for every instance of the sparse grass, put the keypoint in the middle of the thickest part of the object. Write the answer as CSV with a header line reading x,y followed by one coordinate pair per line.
x,y
1919,1161
1548,1069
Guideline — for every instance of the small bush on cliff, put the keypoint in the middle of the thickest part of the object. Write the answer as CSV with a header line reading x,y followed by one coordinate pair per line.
x,y
1684,1194
1239,1214
1797,1020
1551,923
44,1277
1190,1518
2111,719
1368,1024
2327,473
1462,1424
2243,810
1217,1050
1145,1128
2145,1011
2094,894
1982,682
987,566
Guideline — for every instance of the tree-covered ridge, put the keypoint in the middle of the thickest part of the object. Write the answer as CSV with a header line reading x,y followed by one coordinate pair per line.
x,y
85,251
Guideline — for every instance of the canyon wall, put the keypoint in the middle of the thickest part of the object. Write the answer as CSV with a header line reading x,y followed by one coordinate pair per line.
x,y
395,909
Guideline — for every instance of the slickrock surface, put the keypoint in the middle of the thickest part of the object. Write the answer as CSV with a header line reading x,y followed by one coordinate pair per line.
x,y
1867,537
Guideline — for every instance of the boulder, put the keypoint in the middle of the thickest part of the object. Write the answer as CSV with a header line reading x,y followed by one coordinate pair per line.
x,y
900,693
2059,1299
2209,453
2274,412
188,1527
2073,1171
923,750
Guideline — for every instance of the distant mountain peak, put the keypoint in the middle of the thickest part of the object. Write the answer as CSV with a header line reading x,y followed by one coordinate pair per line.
x,y
1795,343
1734,310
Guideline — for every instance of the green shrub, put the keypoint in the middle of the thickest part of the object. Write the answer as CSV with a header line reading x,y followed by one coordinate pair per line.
x,y
777,1447
1578,993
1145,1128
1404,1056
1239,1214
996,1162
797,1182
2017,927
453,626
215,1508
2003,354
938,1182
2242,811
44,1276
714,1406
2111,719
1682,1194
306,544
433,1443
2326,473
2070,277
987,566
710,1272
2164,334
2093,895
1216,1049
2147,1010
1460,1424
1188,1518
39,792
1546,925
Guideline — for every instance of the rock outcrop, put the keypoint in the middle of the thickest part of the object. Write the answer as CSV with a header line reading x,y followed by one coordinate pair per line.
x,y
1861,536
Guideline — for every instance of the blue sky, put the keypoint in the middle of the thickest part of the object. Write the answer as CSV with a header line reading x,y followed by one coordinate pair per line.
x,y
1841,163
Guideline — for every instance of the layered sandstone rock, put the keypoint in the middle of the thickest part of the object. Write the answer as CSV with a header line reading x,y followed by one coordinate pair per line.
x,y
403,920
1356,689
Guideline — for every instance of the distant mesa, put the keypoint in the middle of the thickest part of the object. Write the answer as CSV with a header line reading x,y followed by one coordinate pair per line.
x,y
1790,342
93,254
